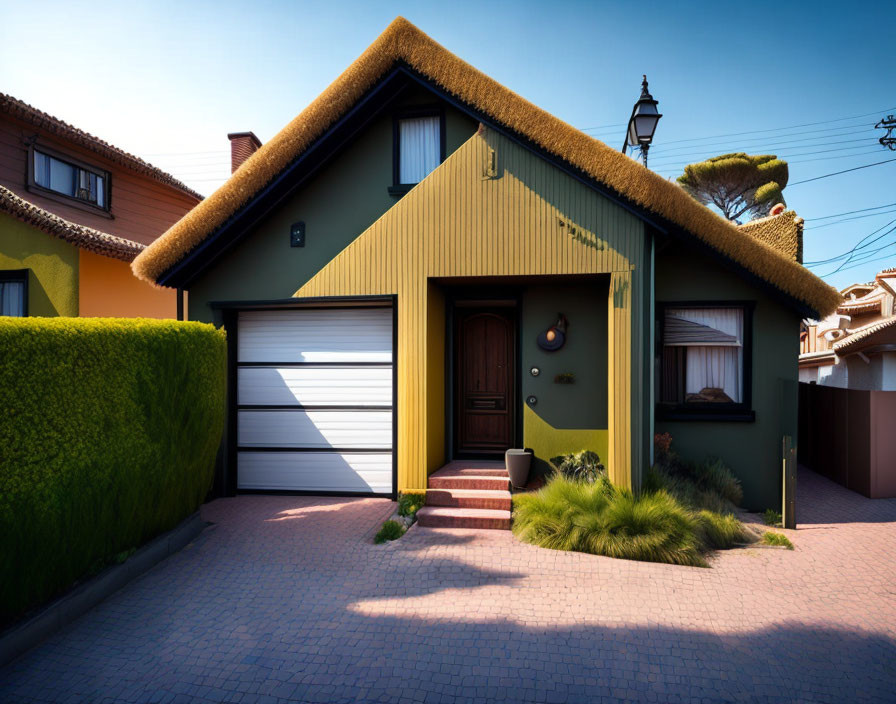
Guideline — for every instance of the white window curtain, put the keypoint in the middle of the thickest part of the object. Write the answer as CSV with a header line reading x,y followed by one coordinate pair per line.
x,y
12,298
418,149
714,360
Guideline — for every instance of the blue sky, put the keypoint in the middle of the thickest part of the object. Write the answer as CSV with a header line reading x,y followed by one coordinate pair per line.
x,y
168,80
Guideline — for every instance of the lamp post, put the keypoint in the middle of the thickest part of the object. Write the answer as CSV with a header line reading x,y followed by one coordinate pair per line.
x,y
642,123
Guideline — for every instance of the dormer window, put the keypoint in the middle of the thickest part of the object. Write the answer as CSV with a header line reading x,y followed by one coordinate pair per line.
x,y
419,147
418,150
68,177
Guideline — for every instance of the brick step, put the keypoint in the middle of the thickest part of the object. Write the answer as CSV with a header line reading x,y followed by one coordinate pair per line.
x,y
449,517
469,498
478,471
468,481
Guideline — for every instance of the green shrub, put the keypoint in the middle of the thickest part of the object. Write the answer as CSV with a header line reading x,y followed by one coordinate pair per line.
x,y
772,517
391,530
770,538
603,520
721,531
410,503
108,437
584,465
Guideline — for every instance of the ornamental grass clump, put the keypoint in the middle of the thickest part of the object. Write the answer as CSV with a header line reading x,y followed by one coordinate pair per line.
x,y
681,514
601,519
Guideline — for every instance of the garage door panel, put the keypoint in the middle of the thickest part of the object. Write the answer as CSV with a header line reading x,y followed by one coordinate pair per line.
x,y
316,471
326,335
316,429
315,386
315,400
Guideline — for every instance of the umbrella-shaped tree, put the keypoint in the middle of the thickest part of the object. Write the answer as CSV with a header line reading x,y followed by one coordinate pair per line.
x,y
738,184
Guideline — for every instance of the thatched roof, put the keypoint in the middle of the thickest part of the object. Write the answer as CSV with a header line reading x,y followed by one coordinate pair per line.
x,y
784,232
78,235
403,42
27,113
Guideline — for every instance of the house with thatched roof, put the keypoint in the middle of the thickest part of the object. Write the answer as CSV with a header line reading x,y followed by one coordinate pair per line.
x,y
74,212
423,270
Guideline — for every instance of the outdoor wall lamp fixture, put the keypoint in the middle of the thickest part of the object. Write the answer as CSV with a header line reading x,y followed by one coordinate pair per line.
x,y
642,123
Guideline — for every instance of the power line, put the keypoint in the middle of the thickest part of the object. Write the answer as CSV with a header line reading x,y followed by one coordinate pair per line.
x,y
864,258
855,217
858,245
763,143
837,173
778,129
850,212
787,154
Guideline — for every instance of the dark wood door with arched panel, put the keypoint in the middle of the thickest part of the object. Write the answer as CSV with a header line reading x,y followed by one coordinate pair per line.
x,y
485,344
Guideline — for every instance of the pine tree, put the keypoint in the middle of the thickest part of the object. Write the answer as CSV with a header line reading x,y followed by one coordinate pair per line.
x,y
738,184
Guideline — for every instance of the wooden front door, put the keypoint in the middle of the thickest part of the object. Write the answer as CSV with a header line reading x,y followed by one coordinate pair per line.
x,y
484,380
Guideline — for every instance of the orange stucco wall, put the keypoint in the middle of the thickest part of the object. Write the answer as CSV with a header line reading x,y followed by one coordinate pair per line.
x,y
108,288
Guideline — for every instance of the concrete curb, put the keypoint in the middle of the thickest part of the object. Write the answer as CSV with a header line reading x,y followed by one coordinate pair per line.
x,y
67,608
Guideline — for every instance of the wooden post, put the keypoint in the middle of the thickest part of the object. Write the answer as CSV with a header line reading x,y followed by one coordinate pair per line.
x,y
788,501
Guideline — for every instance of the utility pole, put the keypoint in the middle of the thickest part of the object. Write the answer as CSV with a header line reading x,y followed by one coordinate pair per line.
x,y
889,139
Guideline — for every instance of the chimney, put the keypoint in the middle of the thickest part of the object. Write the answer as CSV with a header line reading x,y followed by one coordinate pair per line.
x,y
242,146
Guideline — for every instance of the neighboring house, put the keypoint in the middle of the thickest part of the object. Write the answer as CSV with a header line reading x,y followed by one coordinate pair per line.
x,y
847,368
854,347
388,265
74,212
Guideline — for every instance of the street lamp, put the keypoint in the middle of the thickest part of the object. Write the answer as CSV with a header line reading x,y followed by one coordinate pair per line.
x,y
642,123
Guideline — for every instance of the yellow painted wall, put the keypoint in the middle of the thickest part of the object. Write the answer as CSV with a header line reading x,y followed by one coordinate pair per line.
x,y
547,441
492,209
109,289
52,265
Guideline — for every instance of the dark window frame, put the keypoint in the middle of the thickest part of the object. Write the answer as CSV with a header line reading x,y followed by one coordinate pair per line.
x,y
74,201
17,276
742,411
397,187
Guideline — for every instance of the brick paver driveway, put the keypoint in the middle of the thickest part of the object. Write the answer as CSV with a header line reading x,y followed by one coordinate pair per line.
x,y
285,599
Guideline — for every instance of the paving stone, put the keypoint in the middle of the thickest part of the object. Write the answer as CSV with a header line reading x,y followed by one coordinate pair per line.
x,y
287,599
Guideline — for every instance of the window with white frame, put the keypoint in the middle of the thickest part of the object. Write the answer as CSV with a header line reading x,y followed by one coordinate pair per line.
x,y
13,293
69,179
703,355
419,147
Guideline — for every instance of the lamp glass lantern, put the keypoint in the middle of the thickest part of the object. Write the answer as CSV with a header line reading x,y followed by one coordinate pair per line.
x,y
642,124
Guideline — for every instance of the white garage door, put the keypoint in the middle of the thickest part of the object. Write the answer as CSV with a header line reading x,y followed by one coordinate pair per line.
x,y
315,400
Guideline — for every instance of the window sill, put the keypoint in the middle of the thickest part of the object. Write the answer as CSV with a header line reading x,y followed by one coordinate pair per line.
x,y
704,415
401,189
69,200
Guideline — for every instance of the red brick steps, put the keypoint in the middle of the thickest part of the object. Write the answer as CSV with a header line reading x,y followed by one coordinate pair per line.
x,y
445,517
468,495
469,498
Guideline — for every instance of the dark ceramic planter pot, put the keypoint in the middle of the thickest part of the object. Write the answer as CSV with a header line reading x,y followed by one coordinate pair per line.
x,y
518,463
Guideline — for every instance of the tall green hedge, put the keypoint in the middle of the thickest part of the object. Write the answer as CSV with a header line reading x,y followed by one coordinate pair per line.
x,y
108,434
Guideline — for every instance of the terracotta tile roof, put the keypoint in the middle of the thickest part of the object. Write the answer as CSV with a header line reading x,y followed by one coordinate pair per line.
x,y
403,43
31,115
860,307
883,331
78,235
784,232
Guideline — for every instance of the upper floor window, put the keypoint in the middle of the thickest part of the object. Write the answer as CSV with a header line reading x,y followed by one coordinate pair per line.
x,y
70,179
419,147
14,293
705,358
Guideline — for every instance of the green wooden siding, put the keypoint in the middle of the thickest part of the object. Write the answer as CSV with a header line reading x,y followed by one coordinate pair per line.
x,y
752,450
